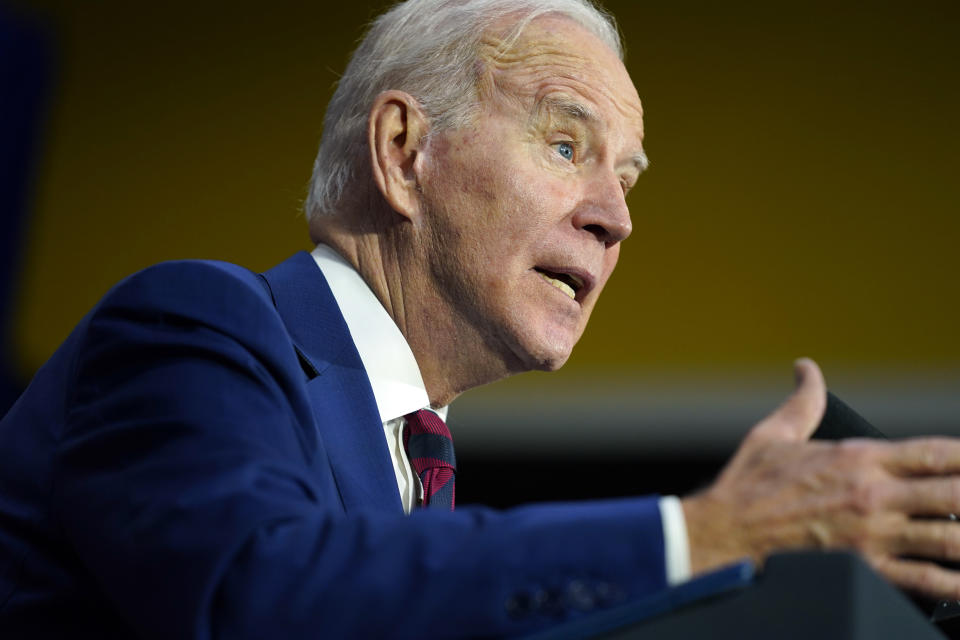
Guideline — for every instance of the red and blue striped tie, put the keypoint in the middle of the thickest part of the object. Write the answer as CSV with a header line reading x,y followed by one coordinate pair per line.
x,y
429,447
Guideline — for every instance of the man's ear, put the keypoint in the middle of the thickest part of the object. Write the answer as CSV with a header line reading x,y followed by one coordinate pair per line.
x,y
395,129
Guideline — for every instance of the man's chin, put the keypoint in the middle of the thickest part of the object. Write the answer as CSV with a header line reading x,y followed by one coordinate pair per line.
x,y
548,357
545,350
553,364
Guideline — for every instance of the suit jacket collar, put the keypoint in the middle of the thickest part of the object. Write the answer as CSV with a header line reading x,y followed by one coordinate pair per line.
x,y
343,404
390,364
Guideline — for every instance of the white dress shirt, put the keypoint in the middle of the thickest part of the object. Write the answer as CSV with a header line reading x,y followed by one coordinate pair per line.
x,y
398,390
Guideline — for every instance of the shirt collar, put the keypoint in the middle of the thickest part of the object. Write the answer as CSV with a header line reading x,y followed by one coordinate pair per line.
x,y
391,367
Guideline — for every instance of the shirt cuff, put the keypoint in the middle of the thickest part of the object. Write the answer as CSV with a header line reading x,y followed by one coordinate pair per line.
x,y
676,545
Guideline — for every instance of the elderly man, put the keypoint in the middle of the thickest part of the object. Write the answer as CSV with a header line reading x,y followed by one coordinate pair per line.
x,y
214,452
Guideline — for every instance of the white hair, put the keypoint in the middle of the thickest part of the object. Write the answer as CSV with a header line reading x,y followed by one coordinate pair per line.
x,y
429,49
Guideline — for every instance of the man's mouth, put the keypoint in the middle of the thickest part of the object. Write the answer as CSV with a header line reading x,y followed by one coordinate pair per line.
x,y
566,282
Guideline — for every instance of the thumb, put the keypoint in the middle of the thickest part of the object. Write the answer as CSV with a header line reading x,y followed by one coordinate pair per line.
x,y
797,418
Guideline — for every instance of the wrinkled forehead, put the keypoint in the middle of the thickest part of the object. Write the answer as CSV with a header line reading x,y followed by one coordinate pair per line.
x,y
553,54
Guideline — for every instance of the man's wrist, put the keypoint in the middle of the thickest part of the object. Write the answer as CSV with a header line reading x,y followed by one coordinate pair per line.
x,y
715,538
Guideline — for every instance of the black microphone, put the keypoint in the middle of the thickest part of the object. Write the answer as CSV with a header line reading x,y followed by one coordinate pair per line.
x,y
840,421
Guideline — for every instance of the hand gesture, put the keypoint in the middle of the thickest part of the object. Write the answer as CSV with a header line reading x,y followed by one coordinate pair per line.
x,y
888,500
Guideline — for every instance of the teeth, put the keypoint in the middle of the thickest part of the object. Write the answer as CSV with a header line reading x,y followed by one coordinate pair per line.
x,y
559,284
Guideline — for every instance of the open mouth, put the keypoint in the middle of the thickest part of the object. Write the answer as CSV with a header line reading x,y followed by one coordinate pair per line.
x,y
566,282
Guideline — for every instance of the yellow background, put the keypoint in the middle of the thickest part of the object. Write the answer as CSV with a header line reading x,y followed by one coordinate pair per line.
x,y
802,198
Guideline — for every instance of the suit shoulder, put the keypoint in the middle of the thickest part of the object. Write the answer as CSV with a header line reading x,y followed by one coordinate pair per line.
x,y
199,283
186,276
223,296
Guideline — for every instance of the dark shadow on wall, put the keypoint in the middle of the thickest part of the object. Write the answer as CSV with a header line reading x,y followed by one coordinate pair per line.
x,y
26,62
503,481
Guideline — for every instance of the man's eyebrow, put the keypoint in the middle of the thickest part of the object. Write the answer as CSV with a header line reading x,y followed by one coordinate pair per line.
x,y
640,161
571,108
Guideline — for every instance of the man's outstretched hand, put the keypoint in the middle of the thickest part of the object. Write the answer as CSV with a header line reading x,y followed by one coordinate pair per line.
x,y
783,491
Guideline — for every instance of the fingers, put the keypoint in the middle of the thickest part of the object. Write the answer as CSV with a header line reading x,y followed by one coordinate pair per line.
x,y
923,457
934,539
913,477
926,496
919,576
797,418
902,563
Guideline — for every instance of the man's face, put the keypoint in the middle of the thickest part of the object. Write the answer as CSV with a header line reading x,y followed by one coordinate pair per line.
x,y
525,208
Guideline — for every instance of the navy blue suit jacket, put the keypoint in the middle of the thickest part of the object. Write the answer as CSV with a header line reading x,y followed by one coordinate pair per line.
x,y
203,458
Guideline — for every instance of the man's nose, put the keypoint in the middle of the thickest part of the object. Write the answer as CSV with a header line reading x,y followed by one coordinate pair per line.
x,y
604,212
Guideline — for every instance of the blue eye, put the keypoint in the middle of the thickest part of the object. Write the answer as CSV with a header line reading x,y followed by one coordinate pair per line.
x,y
565,149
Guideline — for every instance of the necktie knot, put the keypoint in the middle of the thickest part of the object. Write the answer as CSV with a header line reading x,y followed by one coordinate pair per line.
x,y
429,447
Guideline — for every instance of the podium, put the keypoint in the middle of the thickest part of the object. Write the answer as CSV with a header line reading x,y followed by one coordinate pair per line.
x,y
798,596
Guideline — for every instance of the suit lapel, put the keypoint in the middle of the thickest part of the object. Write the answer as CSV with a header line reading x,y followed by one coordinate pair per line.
x,y
343,404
